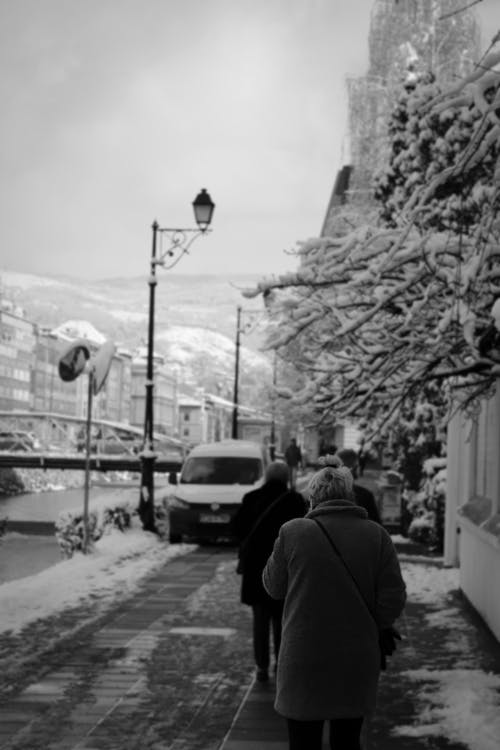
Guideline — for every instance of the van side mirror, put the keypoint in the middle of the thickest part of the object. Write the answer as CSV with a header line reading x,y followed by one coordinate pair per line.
x,y
172,477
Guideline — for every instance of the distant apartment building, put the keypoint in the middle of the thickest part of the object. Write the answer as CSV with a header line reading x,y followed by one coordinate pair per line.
x,y
29,371
50,393
164,395
17,352
192,426
207,418
204,418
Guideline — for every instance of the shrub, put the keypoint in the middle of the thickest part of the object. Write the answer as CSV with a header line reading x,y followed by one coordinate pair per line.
x,y
422,526
70,532
117,517
428,506
69,526
10,483
161,519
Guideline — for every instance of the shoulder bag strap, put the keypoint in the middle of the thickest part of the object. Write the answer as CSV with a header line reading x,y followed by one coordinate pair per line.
x,y
337,552
245,541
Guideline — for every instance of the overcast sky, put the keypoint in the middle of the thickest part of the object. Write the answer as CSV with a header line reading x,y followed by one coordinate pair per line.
x,y
116,113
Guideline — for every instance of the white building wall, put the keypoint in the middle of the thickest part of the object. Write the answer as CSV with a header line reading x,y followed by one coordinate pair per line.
x,y
458,483
480,572
473,504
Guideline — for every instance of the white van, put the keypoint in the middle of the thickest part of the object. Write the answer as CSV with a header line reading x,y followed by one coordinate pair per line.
x,y
210,488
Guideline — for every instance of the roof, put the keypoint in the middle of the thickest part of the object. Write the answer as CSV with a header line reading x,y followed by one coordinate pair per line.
x,y
185,401
228,448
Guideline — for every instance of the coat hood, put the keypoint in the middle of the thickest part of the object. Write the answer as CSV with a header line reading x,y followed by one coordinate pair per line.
x,y
340,506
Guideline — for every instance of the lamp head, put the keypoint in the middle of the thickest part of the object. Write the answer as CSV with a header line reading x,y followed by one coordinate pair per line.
x,y
203,207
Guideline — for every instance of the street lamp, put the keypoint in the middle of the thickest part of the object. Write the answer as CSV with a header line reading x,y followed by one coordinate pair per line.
x,y
272,442
180,240
239,331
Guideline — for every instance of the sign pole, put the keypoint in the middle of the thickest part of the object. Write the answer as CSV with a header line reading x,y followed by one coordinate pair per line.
x,y
85,544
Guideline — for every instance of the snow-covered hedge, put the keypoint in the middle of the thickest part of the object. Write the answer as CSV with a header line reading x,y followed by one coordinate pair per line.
x,y
116,514
428,505
70,531
10,483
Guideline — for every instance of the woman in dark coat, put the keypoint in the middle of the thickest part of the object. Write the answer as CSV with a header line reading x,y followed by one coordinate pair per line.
x,y
329,661
256,525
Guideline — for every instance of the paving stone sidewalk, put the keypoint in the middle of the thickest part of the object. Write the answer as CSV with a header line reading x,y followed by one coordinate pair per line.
x,y
452,643
166,668
171,669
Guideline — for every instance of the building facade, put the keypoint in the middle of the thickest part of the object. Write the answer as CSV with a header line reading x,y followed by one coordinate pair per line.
x,y
164,395
472,519
17,357
29,372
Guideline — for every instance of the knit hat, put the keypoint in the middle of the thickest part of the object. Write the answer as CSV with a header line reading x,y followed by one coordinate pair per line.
x,y
331,459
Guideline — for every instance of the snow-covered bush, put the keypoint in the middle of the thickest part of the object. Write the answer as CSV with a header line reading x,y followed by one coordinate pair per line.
x,y
161,519
428,506
70,532
47,480
10,483
117,517
117,514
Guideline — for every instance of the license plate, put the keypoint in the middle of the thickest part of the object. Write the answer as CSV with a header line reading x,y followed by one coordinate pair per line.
x,y
212,518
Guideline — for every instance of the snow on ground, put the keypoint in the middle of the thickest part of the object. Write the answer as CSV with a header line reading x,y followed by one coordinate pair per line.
x,y
429,584
115,568
461,704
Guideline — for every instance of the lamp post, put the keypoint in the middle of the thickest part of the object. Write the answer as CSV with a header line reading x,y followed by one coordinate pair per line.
x,y
234,430
272,441
180,240
239,331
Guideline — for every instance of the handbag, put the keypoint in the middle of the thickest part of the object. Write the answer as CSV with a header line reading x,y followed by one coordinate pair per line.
x,y
386,636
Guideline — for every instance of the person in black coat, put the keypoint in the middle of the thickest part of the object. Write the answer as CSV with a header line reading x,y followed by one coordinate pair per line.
x,y
362,495
256,525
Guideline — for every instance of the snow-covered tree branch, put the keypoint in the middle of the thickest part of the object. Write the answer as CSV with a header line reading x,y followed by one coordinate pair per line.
x,y
377,313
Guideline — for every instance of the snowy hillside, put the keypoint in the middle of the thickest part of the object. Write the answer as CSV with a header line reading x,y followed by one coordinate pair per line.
x,y
180,343
195,321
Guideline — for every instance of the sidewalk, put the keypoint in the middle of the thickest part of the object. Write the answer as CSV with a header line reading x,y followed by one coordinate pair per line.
x,y
171,669
431,697
166,668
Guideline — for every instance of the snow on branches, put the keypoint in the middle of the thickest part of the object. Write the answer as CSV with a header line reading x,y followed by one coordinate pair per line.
x,y
372,316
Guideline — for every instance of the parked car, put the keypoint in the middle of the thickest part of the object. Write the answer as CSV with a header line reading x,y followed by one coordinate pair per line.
x,y
210,488
14,441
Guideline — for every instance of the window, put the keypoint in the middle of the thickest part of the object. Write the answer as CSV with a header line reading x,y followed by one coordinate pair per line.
x,y
221,470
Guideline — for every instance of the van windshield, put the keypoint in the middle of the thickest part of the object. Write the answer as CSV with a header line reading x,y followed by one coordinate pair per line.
x,y
221,470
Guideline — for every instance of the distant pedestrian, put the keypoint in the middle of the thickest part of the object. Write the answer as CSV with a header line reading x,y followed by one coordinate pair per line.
x,y
293,458
362,495
330,660
256,525
362,458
